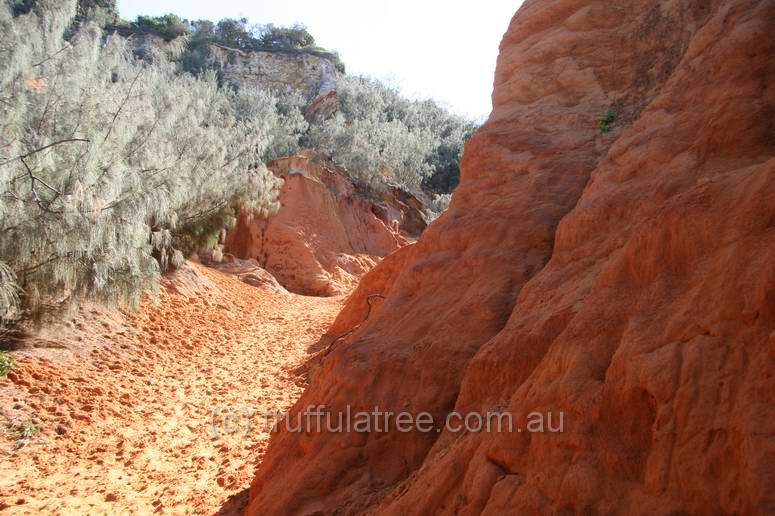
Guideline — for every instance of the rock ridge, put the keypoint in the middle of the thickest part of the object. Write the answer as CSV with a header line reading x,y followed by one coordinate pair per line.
x,y
622,275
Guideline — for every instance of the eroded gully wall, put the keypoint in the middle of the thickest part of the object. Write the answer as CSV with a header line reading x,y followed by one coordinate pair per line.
x,y
626,279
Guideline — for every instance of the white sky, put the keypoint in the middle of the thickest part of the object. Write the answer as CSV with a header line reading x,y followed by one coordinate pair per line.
x,y
445,50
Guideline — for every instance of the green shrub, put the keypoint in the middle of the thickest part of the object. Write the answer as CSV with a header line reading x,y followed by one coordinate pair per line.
x,y
235,34
107,162
169,25
295,36
87,8
381,137
606,121
6,363
438,205
23,433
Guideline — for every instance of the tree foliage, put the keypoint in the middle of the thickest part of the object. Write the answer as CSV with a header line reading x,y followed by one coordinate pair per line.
x,y
111,168
86,8
382,137
169,25
240,34
234,33
295,36
289,127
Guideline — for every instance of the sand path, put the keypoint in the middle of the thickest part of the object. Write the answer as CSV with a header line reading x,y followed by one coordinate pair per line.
x,y
146,412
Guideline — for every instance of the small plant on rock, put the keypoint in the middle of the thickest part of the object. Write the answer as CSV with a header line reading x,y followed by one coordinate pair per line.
x,y
607,120
6,363
23,433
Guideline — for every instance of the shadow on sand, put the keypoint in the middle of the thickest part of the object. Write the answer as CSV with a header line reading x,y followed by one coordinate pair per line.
x,y
236,504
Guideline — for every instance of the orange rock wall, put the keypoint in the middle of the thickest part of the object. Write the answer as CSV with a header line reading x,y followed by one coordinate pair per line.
x,y
323,239
626,279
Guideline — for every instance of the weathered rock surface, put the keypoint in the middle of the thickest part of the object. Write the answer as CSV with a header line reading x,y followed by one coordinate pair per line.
x,y
325,236
625,279
321,108
248,271
308,72
147,45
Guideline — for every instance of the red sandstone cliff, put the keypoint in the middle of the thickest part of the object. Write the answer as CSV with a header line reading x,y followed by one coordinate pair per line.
x,y
326,235
625,278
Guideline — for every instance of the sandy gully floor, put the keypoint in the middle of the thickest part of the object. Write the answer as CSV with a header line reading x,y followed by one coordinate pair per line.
x,y
145,413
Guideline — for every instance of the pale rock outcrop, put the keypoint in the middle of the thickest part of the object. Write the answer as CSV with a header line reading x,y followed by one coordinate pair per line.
x,y
309,72
147,45
625,279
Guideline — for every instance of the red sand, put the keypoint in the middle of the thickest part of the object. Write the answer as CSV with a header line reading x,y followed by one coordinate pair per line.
x,y
124,402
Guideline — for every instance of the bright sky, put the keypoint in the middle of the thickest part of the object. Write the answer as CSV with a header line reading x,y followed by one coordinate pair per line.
x,y
442,49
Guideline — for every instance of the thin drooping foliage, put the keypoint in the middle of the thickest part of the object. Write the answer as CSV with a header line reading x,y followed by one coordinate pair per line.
x,y
438,205
290,127
381,137
111,168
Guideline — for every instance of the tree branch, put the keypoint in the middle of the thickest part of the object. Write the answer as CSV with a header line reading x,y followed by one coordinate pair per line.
x,y
215,209
35,196
41,149
146,137
235,158
123,103
52,56
39,180
33,268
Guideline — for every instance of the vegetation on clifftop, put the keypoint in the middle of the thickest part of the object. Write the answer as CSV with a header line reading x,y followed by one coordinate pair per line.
x,y
229,32
380,136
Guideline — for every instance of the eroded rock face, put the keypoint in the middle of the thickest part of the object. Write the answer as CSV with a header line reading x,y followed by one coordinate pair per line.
x,y
325,236
310,72
146,46
321,108
307,72
623,278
